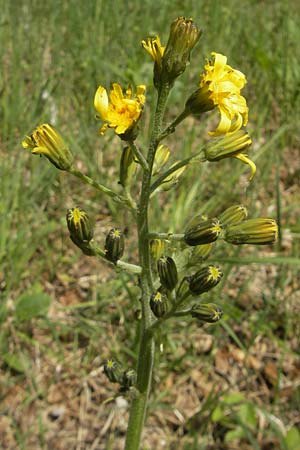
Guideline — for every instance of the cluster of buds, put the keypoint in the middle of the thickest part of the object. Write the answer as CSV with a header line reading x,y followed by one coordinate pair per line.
x,y
232,225
117,374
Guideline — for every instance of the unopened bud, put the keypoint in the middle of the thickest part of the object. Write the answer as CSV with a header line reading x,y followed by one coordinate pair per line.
x,y
227,145
203,233
173,179
184,35
233,215
129,379
114,245
45,140
205,279
161,158
167,272
259,231
157,247
159,303
113,371
81,229
127,167
207,312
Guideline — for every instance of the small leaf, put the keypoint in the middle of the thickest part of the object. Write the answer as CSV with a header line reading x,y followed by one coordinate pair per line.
x,y
247,414
32,305
233,399
217,414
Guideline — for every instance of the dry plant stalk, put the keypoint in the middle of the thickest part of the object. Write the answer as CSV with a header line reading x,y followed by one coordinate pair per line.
x,y
166,292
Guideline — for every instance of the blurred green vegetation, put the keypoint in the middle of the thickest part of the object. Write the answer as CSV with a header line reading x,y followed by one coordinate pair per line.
x,y
53,57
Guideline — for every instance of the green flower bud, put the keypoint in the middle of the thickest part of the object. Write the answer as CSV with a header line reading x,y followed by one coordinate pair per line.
x,y
184,35
184,289
200,253
159,303
200,101
172,180
203,233
114,245
129,379
233,215
207,312
227,145
167,272
79,225
81,229
157,247
45,140
253,231
127,167
113,371
161,158
205,279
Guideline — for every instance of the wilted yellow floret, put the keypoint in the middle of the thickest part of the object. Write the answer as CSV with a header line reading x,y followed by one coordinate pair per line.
x,y
154,48
119,111
45,140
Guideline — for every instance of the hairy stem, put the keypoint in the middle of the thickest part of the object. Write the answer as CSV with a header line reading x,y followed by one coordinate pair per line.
x,y
146,349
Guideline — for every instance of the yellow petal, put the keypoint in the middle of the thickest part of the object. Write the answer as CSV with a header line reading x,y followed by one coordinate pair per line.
x,y
244,158
101,102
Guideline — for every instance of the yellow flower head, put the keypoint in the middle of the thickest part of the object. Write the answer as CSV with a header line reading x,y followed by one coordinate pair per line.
x,y
120,111
224,84
45,140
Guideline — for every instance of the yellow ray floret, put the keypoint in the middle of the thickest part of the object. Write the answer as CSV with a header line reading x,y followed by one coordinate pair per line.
x,y
224,85
154,48
119,111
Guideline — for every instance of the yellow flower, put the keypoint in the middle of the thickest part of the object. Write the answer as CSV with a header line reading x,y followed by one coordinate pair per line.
x,y
45,140
220,86
224,86
122,112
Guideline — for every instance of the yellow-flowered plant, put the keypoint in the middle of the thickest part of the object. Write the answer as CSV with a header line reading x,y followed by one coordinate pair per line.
x,y
171,280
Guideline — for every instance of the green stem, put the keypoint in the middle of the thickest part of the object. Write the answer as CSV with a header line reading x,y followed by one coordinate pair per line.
x,y
171,128
116,197
139,155
146,349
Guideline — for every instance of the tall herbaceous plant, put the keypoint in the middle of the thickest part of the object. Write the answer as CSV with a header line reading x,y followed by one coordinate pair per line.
x,y
166,292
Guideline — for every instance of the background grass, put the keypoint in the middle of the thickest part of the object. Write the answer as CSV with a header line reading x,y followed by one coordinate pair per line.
x,y
218,387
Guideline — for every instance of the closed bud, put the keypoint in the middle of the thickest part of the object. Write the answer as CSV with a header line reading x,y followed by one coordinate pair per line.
x,y
129,379
227,145
205,279
159,303
127,167
113,371
204,233
161,158
184,35
167,272
207,312
184,290
233,215
157,247
79,225
200,101
200,253
173,179
114,245
45,140
253,231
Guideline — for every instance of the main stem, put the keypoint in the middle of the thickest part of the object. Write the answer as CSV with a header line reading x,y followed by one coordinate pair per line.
x,y
146,348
